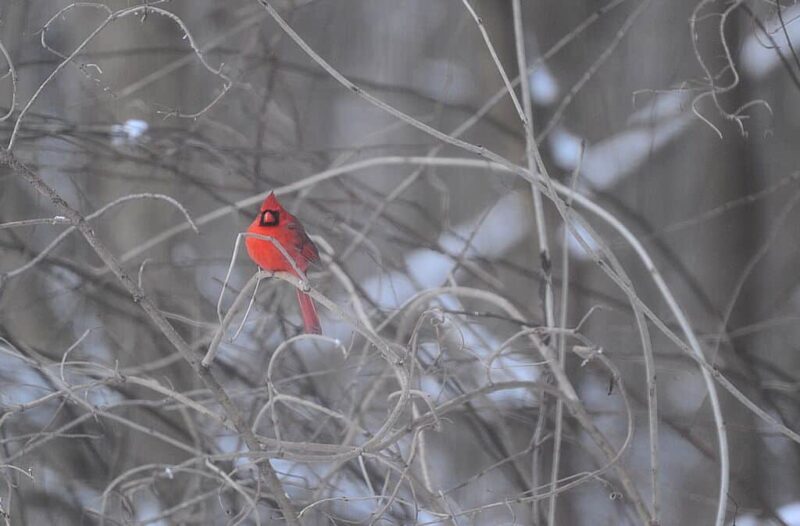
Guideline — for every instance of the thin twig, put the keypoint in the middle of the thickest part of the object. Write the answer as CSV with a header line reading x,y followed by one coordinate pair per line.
x,y
231,411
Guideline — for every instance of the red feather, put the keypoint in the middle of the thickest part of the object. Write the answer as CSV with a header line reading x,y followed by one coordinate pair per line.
x,y
274,221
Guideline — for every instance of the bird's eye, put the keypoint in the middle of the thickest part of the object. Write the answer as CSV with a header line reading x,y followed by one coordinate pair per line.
x,y
270,218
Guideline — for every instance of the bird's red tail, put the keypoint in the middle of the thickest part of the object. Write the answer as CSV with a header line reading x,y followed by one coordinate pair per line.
x,y
309,312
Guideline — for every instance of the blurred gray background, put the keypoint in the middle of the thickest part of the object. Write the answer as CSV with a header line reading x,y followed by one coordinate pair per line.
x,y
680,118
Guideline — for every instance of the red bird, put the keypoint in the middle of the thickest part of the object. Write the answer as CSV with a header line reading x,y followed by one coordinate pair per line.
x,y
274,221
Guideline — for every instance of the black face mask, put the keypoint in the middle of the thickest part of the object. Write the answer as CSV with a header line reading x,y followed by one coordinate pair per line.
x,y
270,218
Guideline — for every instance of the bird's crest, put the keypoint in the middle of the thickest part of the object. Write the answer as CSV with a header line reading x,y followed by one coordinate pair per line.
x,y
271,203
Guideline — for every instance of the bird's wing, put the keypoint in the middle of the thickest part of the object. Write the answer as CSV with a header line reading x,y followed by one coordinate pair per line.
x,y
305,247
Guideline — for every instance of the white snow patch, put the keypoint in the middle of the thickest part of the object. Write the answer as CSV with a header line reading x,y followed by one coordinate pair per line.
x,y
565,147
662,106
543,86
757,56
789,513
607,162
507,223
428,268
128,132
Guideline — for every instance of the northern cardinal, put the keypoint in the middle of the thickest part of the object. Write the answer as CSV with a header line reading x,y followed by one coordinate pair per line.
x,y
274,221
